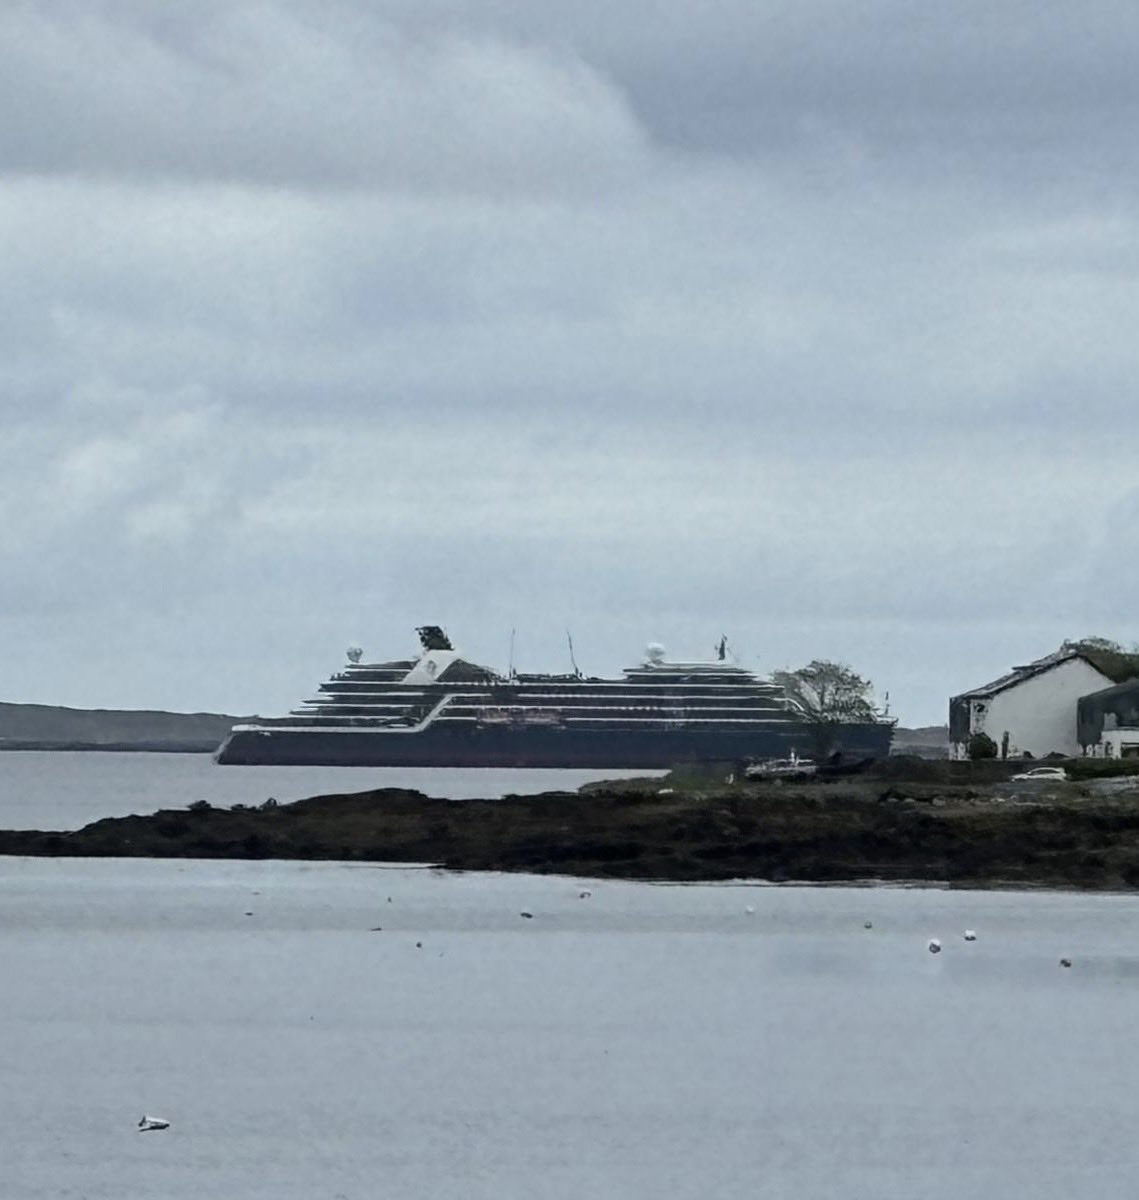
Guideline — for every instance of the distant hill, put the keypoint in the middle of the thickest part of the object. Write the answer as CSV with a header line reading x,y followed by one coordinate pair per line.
x,y
46,726
928,741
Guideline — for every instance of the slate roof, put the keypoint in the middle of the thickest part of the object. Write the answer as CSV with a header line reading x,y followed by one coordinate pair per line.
x,y
1126,688
1028,671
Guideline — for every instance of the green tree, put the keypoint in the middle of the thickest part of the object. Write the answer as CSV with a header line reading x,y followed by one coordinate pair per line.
x,y
828,695
1116,662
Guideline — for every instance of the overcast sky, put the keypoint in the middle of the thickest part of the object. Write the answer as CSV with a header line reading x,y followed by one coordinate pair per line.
x,y
812,323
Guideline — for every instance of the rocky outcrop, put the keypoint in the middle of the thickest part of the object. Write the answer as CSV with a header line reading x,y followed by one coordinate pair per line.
x,y
964,834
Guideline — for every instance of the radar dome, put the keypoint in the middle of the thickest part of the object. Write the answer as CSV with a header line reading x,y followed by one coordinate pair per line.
x,y
654,652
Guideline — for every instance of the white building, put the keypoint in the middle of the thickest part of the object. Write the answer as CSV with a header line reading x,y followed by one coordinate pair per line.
x,y
1031,710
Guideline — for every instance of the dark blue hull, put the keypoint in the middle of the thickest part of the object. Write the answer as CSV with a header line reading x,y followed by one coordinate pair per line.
x,y
612,749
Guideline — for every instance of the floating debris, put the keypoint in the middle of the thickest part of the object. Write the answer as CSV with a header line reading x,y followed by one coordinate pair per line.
x,y
750,910
584,895
376,929
147,1124
969,935
1065,962
868,925
934,946
249,914
528,915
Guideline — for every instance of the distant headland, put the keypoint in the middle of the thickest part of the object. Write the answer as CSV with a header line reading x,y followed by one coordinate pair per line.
x,y
50,727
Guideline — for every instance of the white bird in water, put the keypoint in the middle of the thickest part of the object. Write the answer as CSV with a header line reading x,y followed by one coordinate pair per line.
x,y
148,1123
934,946
969,935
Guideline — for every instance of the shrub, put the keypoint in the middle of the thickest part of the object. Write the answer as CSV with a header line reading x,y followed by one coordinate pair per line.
x,y
981,746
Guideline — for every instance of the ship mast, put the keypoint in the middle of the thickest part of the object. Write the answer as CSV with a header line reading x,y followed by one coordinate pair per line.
x,y
573,661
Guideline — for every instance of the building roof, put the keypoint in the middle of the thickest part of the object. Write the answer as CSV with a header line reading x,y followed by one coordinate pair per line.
x,y
1127,688
1029,671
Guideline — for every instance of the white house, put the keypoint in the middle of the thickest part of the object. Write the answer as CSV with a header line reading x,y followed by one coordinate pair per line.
x,y
1031,710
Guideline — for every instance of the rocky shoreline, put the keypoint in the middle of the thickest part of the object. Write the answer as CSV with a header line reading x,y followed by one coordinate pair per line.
x,y
955,829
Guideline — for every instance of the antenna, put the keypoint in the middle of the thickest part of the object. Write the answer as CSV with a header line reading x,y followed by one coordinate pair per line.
x,y
510,664
569,638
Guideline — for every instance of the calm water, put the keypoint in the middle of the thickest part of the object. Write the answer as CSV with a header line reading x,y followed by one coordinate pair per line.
x,y
61,790
643,1041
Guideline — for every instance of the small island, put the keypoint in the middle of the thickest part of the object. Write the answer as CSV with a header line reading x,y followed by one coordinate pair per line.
x,y
905,820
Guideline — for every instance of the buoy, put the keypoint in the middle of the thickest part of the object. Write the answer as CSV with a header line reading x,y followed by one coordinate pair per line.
x,y
1065,962
934,946
146,1124
969,935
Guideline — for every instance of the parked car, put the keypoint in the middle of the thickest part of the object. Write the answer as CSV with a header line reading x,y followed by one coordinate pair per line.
x,y
1042,775
781,768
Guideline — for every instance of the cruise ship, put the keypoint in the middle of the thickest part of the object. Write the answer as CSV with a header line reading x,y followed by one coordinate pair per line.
x,y
440,710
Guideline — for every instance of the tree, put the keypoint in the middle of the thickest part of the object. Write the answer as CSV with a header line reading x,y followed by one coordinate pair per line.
x,y
827,695
1116,662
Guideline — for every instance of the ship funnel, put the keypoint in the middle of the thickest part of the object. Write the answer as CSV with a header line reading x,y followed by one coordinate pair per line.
x,y
432,637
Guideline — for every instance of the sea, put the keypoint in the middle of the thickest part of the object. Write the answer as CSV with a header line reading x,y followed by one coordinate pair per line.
x,y
331,1030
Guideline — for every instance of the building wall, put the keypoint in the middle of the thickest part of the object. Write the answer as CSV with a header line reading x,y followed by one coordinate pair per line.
x,y
1039,714
1117,743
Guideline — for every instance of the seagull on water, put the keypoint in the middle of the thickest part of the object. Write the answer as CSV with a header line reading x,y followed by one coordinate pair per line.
x,y
146,1124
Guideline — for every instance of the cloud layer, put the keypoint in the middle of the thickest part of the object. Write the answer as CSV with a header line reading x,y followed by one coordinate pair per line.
x,y
319,323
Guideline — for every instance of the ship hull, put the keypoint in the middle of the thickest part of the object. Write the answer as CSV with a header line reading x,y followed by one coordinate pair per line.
x,y
614,749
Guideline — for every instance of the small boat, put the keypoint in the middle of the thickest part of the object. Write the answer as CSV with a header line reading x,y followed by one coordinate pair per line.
x,y
146,1124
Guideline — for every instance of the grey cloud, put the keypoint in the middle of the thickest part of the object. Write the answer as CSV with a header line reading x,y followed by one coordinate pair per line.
x,y
284,94
563,346
999,89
